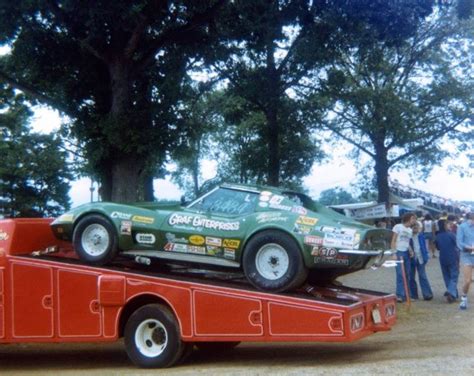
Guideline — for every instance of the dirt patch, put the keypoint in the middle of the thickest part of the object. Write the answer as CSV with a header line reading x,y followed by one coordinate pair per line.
x,y
432,338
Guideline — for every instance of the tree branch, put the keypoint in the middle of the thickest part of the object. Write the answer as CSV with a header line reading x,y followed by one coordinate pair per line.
x,y
172,35
34,93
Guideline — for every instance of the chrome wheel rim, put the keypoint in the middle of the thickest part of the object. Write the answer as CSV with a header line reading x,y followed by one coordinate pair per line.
x,y
272,261
95,240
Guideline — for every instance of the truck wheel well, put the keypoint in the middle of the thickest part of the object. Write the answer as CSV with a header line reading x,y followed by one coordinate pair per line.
x,y
136,303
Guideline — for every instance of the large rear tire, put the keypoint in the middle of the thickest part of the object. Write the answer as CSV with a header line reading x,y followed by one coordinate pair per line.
x,y
152,337
95,240
272,261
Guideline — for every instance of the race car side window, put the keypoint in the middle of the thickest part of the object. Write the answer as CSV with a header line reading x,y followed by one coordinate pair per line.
x,y
228,201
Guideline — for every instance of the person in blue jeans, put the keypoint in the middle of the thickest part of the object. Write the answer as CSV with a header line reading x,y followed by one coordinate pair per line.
x,y
402,234
417,264
448,259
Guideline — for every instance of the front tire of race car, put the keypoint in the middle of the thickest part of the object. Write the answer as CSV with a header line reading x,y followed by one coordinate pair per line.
x,y
272,261
152,337
95,240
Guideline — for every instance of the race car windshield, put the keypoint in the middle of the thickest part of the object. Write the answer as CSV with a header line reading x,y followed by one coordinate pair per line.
x,y
227,202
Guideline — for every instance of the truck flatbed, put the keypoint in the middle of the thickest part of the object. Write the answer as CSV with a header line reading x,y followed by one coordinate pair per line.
x,y
47,295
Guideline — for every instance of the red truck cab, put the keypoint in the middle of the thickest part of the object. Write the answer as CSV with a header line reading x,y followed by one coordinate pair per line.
x,y
47,295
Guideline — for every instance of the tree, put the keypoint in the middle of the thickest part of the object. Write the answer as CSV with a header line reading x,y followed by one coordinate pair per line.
x,y
113,68
335,196
266,49
197,120
394,98
34,173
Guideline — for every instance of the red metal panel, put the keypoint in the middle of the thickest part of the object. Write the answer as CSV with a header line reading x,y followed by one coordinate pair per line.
x,y
32,300
78,304
2,306
224,314
311,321
111,290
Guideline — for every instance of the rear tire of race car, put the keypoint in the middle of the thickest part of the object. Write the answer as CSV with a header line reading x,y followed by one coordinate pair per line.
x,y
272,261
152,338
95,240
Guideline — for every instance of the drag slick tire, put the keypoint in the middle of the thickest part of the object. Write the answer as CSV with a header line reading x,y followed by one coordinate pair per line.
x,y
272,261
95,240
152,338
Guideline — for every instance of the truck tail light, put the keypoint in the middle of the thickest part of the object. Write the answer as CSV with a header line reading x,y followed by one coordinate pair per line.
x,y
357,322
389,310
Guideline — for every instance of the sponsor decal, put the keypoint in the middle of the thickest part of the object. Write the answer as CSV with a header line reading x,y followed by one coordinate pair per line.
x,y
173,239
120,215
327,253
332,261
214,251
307,221
231,243
280,207
126,227
213,241
196,249
191,220
270,217
65,218
196,240
313,240
301,229
264,198
276,200
338,240
263,204
343,230
299,210
145,238
265,193
182,248
229,253
139,218
3,235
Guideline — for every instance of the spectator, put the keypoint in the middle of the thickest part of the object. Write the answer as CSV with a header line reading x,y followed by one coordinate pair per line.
x,y
401,243
465,242
429,233
381,223
454,223
418,262
448,260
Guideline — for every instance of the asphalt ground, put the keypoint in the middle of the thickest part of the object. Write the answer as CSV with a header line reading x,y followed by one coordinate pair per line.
x,y
430,338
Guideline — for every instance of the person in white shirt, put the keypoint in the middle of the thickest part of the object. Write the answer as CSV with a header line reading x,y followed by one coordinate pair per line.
x,y
401,244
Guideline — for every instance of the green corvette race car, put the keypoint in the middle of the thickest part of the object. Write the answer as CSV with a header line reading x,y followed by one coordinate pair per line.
x,y
277,237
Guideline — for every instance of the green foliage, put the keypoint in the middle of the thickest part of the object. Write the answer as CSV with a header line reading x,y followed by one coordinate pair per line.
x,y
115,69
395,99
335,196
34,173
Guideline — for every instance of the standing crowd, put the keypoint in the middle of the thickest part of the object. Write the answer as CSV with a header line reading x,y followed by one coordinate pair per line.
x,y
414,241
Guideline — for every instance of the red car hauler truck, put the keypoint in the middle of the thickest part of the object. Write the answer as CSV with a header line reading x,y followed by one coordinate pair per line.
x,y
47,295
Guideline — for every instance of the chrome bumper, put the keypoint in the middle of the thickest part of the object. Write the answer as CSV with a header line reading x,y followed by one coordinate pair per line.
x,y
377,257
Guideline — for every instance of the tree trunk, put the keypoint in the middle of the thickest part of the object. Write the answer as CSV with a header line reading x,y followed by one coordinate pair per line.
x,y
381,171
126,169
271,114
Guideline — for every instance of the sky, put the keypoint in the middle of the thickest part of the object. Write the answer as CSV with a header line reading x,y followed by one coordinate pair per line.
x,y
338,172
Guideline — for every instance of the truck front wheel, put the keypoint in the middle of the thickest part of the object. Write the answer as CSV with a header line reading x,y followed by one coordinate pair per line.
x,y
152,338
